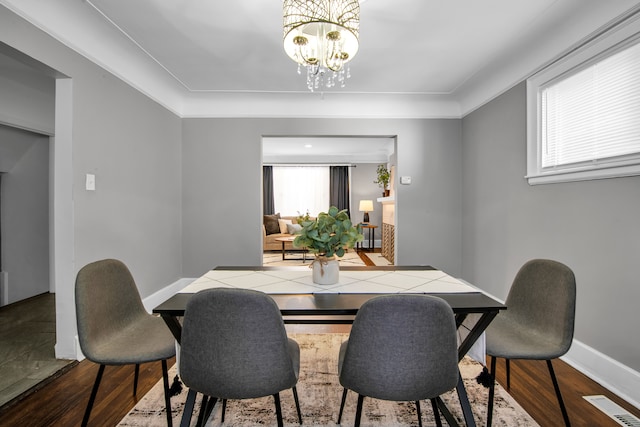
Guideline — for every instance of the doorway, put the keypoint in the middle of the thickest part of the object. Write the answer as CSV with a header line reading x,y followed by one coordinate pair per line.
x,y
362,154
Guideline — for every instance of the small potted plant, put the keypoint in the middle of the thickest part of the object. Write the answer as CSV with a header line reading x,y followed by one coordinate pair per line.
x,y
327,237
383,179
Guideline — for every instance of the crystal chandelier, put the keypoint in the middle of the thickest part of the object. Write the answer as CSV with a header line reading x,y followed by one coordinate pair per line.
x,y
322,36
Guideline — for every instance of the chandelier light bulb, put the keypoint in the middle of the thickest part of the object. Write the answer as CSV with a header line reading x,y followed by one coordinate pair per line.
x,y
322,36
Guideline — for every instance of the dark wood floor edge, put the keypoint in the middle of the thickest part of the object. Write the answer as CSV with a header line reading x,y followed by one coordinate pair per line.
x,y
25,301
38,386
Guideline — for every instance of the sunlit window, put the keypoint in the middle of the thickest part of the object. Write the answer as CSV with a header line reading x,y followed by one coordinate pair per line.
x,y
300,188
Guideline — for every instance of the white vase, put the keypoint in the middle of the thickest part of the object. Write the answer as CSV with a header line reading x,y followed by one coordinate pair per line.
x,y
325,271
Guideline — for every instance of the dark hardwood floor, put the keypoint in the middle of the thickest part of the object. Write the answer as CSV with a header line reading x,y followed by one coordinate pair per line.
x,y
62,401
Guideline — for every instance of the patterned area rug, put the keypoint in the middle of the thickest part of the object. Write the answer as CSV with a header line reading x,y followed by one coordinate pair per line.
x,y
320,392
275,259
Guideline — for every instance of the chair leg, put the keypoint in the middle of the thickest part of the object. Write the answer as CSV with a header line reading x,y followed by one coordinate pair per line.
x,y
188,408
135,379
92,398
508,362
359,411
208,403
565,415
419,413
295,399
276,398
436,413
224,409
167,393
344,398
203,409
492,389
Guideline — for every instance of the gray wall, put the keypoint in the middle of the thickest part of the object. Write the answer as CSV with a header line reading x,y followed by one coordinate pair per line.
x,y
24,214
591,226
132,145
222,205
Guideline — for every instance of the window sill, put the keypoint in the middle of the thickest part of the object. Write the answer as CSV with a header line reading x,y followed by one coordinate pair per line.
x,y
583,175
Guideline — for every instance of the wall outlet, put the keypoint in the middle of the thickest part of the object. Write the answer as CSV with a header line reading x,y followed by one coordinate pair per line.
x,y
405,180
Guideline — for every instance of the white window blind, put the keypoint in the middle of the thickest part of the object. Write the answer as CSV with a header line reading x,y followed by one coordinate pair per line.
x,y
592,116
300,188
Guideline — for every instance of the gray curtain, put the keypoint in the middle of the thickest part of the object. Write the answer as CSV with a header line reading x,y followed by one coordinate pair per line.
x,y
339,187
267,190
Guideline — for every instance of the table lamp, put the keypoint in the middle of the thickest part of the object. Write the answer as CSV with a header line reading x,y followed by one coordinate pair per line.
x,y
366,206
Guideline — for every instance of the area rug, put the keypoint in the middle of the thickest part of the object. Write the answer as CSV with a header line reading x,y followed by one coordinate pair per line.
x,y
320,392
275,259
377,258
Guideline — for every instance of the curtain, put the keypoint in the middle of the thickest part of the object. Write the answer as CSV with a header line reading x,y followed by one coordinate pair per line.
x,y
267,190
339,187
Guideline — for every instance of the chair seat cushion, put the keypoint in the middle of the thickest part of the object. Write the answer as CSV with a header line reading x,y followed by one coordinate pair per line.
x,y
146,340
509,339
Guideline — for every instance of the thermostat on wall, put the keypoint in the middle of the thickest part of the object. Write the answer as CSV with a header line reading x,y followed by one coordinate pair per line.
x,y
406,180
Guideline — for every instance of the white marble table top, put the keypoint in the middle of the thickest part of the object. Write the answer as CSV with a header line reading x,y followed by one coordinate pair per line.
x,y
361,281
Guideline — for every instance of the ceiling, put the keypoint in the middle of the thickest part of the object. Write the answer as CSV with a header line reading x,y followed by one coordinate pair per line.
x,y
417,58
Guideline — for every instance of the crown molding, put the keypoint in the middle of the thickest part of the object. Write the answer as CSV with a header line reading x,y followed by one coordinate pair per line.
x,y
114,52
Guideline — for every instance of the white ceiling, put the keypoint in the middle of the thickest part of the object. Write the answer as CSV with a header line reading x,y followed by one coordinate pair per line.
x,y
417,58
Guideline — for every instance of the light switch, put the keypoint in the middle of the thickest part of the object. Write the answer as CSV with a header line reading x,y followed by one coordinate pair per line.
x,y
406,180
90,183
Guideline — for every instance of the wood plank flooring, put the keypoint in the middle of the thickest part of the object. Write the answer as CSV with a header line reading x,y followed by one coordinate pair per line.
x,y
62,402
27,339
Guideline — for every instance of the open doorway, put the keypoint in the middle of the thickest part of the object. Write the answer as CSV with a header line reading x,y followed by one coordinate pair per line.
x,y
360,155
28,323
27,312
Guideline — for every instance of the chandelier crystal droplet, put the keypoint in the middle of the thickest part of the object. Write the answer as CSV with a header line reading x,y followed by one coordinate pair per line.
x,y
322,36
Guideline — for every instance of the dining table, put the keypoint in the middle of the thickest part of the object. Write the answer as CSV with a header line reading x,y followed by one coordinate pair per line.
x,y
301,301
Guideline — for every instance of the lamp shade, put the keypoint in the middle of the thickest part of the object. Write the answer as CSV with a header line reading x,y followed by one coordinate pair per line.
x,y
366,206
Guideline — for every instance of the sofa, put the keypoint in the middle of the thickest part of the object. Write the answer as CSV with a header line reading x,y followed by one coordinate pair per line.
x,y
270,232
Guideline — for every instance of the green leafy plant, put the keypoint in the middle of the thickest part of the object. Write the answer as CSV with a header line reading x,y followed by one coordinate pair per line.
x,y
383,176
329,233
302,218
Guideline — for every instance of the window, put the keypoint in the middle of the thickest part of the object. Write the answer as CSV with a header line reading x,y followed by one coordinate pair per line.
x,y
300,188
584,114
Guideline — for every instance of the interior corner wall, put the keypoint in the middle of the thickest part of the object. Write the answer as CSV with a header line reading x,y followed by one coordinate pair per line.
x,y
222,204
591,226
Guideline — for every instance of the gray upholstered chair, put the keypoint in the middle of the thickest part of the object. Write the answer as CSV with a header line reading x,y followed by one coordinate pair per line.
x,y
538,322
234,346
401,348
114,328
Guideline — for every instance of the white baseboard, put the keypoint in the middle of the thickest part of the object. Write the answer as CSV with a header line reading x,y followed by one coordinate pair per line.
x,y
376,244
4,288
149,303
164,294
609,373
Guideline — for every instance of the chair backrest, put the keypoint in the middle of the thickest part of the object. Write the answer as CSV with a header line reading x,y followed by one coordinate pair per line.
x,y
234,345
107,300
543,297
402,347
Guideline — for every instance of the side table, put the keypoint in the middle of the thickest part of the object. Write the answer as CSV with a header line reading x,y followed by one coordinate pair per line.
x,y
371,229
